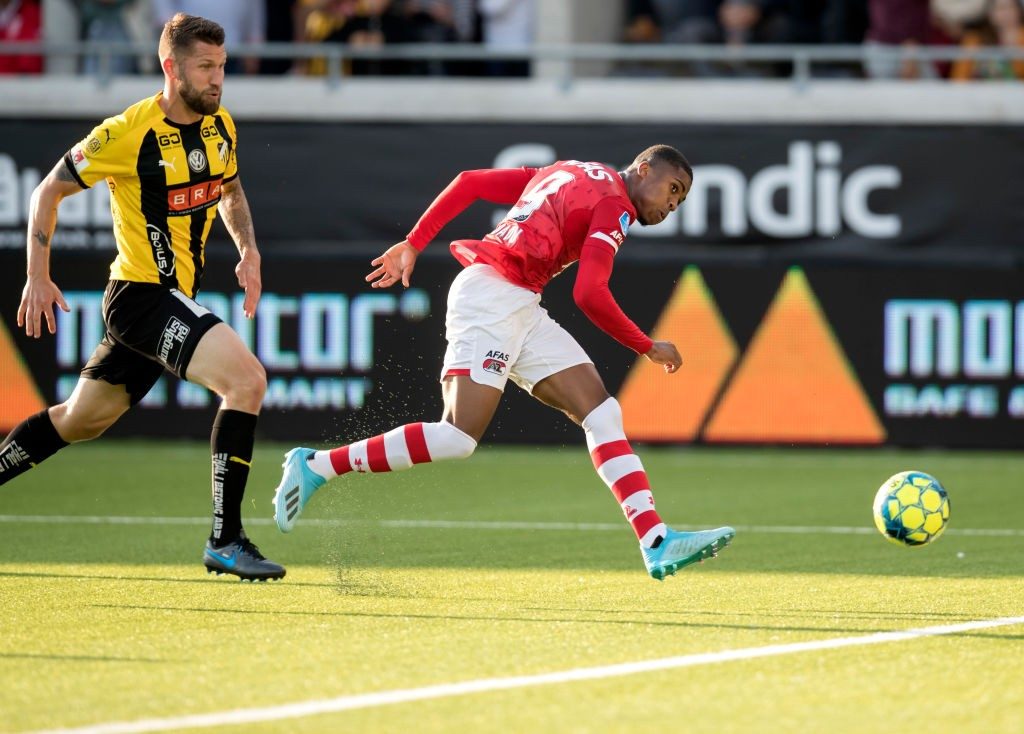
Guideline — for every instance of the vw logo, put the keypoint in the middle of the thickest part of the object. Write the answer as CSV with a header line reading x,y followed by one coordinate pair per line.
x,y
197,160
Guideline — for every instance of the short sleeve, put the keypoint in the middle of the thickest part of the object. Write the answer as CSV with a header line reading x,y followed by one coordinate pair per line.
x,y
610,223
231,164
106,152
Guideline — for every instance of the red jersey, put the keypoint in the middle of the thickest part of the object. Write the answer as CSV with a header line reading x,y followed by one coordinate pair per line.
x,y
564,212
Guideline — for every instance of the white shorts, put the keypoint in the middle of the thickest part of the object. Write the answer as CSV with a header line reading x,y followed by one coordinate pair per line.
x,y
497,330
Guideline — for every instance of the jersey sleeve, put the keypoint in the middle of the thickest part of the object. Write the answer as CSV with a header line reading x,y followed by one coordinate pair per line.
x,y
105,152
496,185
609,223
594,297
231,165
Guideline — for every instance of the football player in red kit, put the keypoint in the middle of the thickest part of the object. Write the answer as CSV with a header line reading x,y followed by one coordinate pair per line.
x,y
496,330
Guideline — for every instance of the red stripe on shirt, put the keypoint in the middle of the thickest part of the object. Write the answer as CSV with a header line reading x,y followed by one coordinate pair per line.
x,y
376,455
416,443
610,450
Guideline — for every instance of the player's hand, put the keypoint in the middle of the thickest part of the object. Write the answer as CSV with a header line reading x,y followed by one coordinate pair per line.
x,y
37,301
665,354
249,279
396,264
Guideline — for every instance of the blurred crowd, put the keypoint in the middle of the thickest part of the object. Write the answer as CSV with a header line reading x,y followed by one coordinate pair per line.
x,y
892,24
512,25
499,24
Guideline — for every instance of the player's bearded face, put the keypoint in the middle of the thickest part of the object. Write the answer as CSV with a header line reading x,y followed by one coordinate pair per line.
x,y
201,78
201,100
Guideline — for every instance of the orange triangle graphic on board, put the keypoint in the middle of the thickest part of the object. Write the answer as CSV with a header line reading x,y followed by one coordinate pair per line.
x,y
795,383
661,407
19,396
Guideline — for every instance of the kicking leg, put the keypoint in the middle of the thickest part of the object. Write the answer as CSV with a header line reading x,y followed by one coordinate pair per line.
x,y
468,409
93,407
580,394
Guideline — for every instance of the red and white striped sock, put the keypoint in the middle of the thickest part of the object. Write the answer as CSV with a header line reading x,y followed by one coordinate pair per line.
x,y
622,471
400,448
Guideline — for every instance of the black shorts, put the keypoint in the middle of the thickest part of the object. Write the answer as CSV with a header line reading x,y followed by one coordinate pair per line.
x,y
150,328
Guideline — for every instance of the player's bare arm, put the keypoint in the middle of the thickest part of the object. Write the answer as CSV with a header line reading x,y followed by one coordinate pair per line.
x,y
40,292
396,264
234,208
666,354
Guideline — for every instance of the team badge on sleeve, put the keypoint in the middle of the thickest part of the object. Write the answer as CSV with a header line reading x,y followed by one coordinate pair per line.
x,y
79,159
624,223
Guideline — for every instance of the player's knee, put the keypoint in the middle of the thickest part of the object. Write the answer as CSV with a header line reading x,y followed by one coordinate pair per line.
x,y
453,443
74,424
248,384
606,415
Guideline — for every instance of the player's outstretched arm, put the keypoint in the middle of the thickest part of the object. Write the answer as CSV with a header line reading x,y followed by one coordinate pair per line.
x,y
41,293
396,264
234,208
666,354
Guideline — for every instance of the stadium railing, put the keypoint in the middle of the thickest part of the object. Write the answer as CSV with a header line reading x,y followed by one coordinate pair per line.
x,y
802,58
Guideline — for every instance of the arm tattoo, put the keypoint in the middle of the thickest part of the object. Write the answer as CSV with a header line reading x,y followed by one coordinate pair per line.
x,y
42,238
237,218
63,174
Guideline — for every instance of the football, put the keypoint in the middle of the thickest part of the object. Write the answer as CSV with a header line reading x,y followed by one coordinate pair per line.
x,y
911,508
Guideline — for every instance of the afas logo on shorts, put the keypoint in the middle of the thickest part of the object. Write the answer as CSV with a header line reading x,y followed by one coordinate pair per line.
x,y
496,362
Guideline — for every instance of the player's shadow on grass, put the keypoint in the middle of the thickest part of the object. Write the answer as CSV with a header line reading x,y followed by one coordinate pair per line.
x,y
493,618
369,547
201,578
81,658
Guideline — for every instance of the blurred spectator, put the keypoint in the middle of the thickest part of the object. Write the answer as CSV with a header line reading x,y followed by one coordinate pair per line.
x,y
280,21
465,20
243,21
374,23
508,25
20,20
735,23
467,24
1002,26
896,24
826,21
672,21
104,20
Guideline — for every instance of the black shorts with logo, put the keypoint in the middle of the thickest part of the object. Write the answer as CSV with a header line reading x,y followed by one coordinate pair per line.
x,y
150,328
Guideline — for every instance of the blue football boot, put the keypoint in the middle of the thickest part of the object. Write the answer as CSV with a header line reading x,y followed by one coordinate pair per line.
x,y
679,549
298,484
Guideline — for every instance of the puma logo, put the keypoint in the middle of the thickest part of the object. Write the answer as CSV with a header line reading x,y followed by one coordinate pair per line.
x,y
169,164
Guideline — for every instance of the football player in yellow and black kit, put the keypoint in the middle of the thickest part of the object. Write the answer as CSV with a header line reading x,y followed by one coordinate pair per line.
x,y
171,163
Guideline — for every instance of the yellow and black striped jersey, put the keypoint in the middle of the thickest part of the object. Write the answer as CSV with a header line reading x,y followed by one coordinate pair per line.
x,y
165,181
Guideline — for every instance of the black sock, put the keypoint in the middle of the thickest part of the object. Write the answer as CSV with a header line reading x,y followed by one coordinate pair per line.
x,y
31,442
231,441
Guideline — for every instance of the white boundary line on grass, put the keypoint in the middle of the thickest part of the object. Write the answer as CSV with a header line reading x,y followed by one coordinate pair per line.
x,y
485,685
480,525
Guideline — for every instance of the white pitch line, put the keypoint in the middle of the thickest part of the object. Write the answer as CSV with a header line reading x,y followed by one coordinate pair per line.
x,y
482,525
486,685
